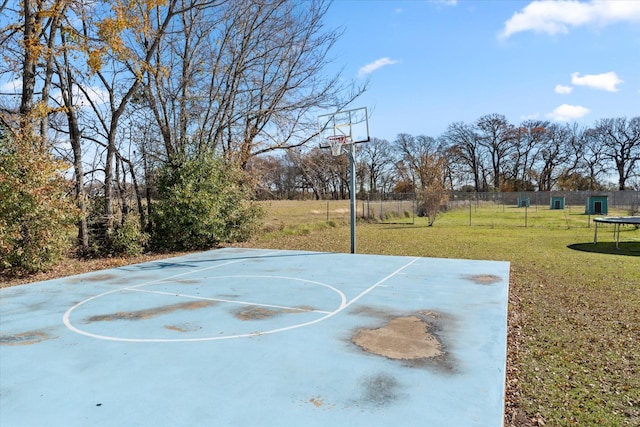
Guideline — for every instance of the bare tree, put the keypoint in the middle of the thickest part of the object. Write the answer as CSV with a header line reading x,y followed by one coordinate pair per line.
x,y
620,139
250,78
376,158
464,148
119,43
554,152
496,135
419,153
66,83
277,177
325,175
531,135
426,163
591,160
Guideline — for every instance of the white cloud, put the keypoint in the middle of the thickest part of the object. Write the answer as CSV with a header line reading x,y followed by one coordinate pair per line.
x,y
446,2
378,63
99,96
605,81
12,86
563,90
533,116
553,17
566,113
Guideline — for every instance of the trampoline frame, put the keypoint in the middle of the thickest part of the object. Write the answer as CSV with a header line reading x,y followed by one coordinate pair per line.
x,y
617,221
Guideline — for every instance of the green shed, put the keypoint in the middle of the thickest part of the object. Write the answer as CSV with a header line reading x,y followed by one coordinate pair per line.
x,y
557,202
597,205
523,202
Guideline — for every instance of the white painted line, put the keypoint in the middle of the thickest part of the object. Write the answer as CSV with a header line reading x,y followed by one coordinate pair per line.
x,y
283,307
380,282
343,300
67,314
343,304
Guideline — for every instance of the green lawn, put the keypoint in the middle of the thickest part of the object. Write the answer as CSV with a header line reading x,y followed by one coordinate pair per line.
x,y
574,321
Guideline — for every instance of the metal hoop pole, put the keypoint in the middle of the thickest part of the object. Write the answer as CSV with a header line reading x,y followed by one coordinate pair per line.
x,y
352,183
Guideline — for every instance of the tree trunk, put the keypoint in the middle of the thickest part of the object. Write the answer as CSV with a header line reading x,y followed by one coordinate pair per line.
x,y
75,139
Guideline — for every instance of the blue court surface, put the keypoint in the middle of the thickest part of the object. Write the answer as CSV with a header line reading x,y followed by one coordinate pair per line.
x,y
247,337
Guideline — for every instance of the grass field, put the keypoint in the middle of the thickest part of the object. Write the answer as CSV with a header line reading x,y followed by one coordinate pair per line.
x,y
574,309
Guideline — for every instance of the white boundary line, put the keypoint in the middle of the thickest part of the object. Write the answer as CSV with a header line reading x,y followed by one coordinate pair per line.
x,y
380,282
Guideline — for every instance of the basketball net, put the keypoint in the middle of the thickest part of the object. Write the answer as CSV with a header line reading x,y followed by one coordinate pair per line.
x,y
336,144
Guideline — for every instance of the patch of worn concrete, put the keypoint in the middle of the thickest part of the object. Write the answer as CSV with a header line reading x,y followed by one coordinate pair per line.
x,y
150,312
483,279
405,338
262,313
25,338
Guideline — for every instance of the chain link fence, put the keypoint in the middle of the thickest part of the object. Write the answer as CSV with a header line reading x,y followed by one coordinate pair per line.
x,y
573,200
404,208
390,208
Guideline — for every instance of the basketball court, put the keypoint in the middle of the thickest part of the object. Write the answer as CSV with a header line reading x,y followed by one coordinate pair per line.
x,y
237,337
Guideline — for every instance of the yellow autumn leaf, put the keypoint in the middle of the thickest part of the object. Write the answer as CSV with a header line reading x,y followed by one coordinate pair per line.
x,y
95,60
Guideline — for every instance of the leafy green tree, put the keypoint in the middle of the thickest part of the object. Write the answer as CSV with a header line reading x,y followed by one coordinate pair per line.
x,y
36,216
203,202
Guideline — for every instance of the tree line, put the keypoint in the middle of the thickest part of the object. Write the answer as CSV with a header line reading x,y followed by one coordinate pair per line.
x,y
142,97
153,123
490,154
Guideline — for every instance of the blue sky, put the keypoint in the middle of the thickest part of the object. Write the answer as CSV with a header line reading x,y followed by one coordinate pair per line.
x,y
432,63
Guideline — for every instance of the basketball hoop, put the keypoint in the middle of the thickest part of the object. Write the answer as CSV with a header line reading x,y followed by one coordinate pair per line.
x,y
340,130
336,143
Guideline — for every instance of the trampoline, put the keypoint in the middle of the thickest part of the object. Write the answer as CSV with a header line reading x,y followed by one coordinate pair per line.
x,y
617,221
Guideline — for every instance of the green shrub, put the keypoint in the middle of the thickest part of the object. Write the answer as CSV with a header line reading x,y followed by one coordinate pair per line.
x,y
390,215
128,238
36,215
203,202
